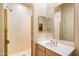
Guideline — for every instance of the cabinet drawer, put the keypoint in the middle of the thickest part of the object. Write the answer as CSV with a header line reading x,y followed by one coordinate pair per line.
x,y
50,53
40,52
40,47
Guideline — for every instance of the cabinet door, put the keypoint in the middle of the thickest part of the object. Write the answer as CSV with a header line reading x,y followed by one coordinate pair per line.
x,y
40,47
40,52
50,53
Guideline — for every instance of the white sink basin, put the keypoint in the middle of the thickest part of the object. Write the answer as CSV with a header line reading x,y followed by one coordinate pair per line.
x,y
51,44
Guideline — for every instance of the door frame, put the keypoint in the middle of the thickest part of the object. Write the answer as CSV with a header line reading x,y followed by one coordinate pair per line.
x,y
5,33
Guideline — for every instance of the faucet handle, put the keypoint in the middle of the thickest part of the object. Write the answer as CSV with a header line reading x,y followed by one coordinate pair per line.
x,y
51,41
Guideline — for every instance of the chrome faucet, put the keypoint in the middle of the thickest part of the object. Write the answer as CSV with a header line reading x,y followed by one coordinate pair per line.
x,y
53,42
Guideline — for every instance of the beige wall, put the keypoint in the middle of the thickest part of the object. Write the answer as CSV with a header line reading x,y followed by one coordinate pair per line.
x,y
1,30
19,28
77,29
40,9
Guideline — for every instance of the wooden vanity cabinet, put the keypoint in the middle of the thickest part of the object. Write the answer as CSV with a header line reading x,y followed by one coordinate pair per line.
x,y
42,51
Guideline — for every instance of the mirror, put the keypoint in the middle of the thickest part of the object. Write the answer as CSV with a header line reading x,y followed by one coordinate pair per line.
x,y
67,22
60,22
55,21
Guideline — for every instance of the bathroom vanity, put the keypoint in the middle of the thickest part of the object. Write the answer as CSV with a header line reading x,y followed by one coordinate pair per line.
x,y
45,48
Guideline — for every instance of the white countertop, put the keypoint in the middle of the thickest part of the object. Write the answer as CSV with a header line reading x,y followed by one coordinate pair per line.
x,y
60,49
